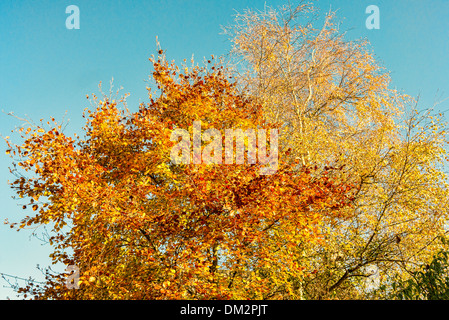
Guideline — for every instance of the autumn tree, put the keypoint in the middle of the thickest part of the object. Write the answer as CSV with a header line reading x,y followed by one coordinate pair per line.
x,y
336,106
140,226
428,281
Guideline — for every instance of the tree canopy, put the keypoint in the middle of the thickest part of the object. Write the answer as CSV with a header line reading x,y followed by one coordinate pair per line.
x,y
359,179
337,107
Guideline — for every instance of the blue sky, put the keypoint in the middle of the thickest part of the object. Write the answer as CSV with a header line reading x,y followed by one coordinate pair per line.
x,y
46,69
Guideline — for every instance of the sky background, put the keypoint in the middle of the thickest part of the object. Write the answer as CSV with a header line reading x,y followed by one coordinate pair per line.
x,y
46,69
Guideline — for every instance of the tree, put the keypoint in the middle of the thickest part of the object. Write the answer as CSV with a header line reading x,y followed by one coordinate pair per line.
x,y
428,282
140,226
337,108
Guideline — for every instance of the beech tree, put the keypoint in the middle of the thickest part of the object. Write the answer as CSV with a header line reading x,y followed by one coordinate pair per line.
x,y
359,184
139,226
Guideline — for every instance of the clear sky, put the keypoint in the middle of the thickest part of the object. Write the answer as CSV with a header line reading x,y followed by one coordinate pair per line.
x,y
47,69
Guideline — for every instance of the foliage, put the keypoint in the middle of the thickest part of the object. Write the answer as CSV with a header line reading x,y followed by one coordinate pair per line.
x,y
337,107
360,182
139,226
429,282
